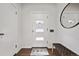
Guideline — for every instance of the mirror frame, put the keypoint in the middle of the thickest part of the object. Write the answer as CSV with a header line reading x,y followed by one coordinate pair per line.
x,y
61,18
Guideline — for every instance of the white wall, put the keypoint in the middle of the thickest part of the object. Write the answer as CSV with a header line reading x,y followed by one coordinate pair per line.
x,y
27,22
68,37
9,26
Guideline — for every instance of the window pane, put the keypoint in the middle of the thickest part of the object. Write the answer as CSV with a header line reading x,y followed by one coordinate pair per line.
x,y
39,38
39,30
39,22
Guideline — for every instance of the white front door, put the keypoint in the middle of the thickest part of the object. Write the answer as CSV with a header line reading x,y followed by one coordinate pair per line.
x,y
39,28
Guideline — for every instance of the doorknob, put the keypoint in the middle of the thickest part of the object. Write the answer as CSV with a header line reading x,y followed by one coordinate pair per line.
x,y
32,30
47,42
47,29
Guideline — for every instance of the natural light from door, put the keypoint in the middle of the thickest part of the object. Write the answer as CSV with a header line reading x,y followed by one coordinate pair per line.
x,y
40,38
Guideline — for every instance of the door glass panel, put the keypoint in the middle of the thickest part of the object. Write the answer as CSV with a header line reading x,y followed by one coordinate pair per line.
x,y
39,30
39,38
39,22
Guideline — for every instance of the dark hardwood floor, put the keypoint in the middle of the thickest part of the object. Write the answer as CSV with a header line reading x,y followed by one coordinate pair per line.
x,y
24,52
59,50
27,51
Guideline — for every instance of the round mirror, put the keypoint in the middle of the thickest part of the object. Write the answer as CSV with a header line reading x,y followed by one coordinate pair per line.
x,y
69,17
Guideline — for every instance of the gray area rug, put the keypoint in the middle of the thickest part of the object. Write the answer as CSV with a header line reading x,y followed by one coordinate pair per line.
x,y
39,52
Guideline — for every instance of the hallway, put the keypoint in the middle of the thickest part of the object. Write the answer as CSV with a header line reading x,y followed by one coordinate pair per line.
x,y
24,26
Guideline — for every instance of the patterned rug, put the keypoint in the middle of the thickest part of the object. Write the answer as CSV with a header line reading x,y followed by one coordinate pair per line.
x,y
39,52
